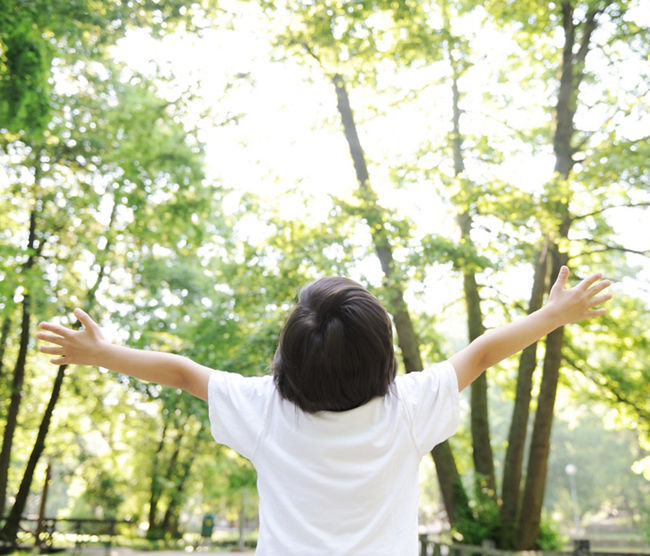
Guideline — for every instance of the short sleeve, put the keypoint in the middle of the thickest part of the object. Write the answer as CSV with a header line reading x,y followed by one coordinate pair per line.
x,y
237,408
432,402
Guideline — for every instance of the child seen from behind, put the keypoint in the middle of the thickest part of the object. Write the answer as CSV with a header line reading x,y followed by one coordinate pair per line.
x,y
335,436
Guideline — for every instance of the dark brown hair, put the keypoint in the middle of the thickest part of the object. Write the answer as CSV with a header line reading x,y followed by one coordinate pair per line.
x,y
336,349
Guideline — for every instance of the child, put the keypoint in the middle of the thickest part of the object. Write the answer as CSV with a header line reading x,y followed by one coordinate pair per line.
x,y
335,436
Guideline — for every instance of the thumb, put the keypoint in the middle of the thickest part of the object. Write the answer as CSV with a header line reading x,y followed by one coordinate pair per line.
x,y
562,277
85,319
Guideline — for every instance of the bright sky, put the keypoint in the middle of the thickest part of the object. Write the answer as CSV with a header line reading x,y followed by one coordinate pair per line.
x,y
289,141
289,137
290,127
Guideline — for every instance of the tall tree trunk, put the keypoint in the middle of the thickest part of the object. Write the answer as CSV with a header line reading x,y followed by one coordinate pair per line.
x,y
19,368
4,334
540,445
10,529
513,465
572,73
157,530
170,519
156,481
480,425
42,506
453,492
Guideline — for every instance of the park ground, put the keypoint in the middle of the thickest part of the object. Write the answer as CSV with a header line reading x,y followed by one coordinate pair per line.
x,y
118,551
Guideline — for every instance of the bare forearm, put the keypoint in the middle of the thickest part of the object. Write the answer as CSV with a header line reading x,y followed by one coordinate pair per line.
x,y
88,347
500,343
563,307
161,368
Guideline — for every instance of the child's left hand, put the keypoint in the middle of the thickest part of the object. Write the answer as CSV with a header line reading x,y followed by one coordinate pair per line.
x,y
574,304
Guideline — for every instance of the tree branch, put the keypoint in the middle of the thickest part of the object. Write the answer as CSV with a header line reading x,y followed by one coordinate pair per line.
x,y
608,247
603,209
589,27
645,415
311,52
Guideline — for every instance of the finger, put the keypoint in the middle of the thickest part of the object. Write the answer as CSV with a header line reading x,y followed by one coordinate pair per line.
x,y
52,350
59,361
600,299
49,338
85,319
56,328
589,280
562,277
599,287
596,313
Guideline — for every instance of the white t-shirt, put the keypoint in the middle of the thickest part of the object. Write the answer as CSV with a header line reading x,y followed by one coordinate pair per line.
x,y
336,483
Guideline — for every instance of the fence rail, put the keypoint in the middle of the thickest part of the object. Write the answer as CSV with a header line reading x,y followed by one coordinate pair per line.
x,y
41,532
581,547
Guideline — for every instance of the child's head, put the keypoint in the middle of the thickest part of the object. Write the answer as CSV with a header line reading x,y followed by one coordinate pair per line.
x,y
336,348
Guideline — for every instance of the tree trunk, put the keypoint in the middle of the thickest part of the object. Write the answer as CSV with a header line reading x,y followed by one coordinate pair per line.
x,y
14,405
19,369
480,426
156,480
540,444
482,455
170,519
481,443
407,340
4,334
572,73
10,529
42,506
453,493
158,530
513,464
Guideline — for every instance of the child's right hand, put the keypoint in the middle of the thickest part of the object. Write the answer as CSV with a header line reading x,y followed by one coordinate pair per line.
x,y
88,347
74,347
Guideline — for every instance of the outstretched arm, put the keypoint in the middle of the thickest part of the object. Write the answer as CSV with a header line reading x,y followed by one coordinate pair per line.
x,y
563,307
88,347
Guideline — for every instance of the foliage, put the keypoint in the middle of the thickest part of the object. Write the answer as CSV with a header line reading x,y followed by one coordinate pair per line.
x,y
549,538
482,524
38,35
116,180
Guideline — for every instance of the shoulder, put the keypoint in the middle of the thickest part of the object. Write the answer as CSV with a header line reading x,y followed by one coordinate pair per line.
x,y
438,376
230,384
432,403
238,409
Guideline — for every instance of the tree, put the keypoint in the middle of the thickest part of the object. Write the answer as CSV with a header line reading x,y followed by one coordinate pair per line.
x,y
33,250
31,38
138,165
578,24
481,444
34,34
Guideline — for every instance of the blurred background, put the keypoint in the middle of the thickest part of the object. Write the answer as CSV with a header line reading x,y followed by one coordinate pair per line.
x,y
180,169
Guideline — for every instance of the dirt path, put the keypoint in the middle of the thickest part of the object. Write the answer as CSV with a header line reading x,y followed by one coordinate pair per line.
x,y
117,551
